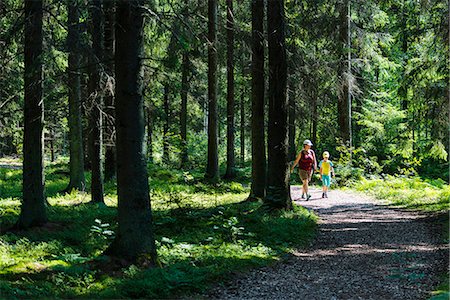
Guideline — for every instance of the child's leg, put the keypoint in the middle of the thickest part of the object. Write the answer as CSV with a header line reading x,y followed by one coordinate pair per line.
x,y
326,183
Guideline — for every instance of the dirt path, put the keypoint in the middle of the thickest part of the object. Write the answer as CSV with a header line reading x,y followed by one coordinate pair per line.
x,y
363,251
12,167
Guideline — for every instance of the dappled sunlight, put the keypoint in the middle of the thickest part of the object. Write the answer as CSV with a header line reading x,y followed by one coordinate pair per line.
x,y
202,234
361,249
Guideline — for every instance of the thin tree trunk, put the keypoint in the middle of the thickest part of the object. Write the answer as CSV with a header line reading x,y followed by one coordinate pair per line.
x,y
85,112
448,96
110,151
212,168
52,145
33,210
183,113
258,187
149,135
278,189
403,90
291,101
243,127
230,172
343,109
76,164
314,114
166,125
97,102
134,235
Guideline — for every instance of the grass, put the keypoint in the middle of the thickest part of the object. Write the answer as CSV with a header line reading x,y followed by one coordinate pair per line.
x,y
204,234
411,193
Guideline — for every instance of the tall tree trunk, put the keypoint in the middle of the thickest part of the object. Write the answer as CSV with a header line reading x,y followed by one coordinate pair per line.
x,y
212,168
134,236
52,144
242,115
33,210
314,114
278,189
448,95
76,163
166,125
344,76
230,172
85,111
403,89
149,135
291,101
258,137
110,151
183,113
97,102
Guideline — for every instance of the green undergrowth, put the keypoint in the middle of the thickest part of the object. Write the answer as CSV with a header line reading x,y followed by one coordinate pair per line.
x,y
412,193
204,234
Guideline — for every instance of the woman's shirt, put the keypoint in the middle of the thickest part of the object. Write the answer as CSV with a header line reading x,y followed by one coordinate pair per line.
x,y
306,160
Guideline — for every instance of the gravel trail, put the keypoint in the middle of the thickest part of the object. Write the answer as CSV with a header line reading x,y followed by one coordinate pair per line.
x,y
363,250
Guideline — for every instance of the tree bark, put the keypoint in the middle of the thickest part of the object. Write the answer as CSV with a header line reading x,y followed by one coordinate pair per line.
x,y
183,113
33,210
97,102
212,168
109,36
258,187
76,164
278,189
230,172
134,237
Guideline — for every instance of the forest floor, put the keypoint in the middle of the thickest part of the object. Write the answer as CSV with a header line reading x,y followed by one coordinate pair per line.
x,y
363,250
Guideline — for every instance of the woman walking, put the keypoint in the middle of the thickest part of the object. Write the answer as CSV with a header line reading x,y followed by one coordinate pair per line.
x,y
307,163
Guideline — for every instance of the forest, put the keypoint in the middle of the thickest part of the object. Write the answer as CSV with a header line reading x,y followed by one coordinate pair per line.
x,y
146,148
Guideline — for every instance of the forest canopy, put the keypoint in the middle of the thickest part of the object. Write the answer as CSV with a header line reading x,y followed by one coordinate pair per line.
x,y
397,80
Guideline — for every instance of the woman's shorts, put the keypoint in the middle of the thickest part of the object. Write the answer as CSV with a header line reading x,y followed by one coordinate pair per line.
x,y
304,174
326,180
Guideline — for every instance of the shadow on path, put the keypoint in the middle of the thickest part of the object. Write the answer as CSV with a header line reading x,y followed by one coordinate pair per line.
x,y
363,250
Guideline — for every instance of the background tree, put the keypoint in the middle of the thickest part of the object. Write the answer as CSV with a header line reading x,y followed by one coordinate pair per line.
x,y
344,73
258,136
134,236
212,168
96,97
33,210
230,171
183,113
109,40
76,164
166,125
278,187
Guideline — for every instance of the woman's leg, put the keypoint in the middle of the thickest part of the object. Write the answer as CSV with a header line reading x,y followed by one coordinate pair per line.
x,y
305,186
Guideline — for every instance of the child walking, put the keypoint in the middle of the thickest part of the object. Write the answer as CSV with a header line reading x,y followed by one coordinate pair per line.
x,y
326,171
